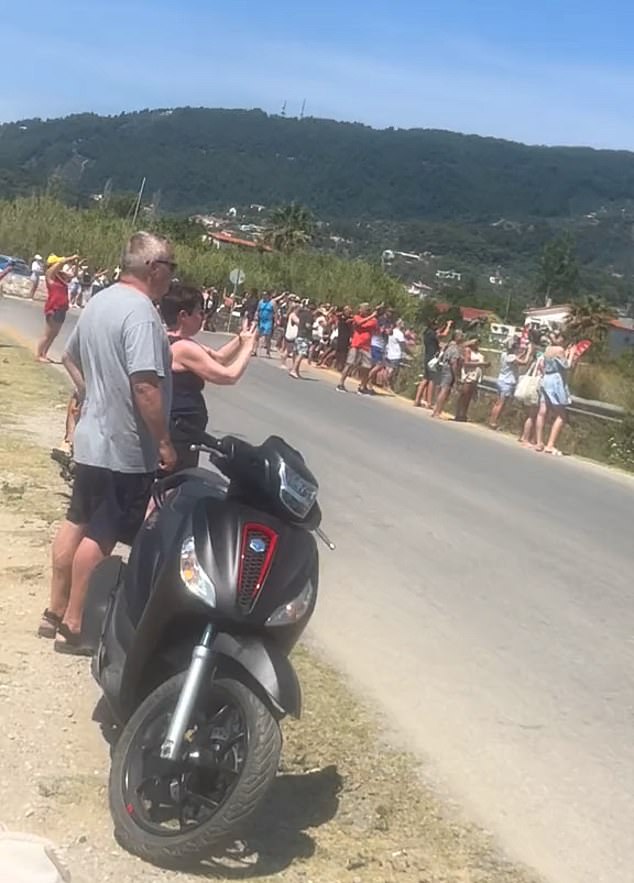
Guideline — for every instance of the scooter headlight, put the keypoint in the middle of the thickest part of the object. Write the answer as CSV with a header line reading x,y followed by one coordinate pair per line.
x,y
194,576
297,494
295,609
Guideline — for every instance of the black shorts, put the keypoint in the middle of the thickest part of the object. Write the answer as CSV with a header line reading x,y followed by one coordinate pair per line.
x,y
56,317
111,504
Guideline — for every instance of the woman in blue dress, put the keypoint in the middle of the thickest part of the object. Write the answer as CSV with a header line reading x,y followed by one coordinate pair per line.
x,y
554,396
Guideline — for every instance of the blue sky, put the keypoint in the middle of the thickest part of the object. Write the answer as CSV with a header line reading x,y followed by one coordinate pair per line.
x,y
557,72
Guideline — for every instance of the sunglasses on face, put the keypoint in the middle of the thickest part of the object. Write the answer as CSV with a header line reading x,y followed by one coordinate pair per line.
x,y
171,264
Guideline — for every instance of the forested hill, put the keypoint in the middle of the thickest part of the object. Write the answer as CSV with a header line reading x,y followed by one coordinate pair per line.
x,y
203,158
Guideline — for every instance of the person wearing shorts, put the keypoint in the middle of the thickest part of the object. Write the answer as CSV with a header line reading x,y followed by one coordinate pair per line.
x,y
56,305
119,358
303,341
450,371
364,325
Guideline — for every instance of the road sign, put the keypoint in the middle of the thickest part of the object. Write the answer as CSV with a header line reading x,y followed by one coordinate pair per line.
x,y
237,276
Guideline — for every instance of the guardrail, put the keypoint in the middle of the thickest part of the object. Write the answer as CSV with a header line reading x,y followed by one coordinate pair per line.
x,y
587,407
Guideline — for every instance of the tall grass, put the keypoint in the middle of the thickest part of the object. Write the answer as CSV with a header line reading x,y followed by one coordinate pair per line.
x,y
43,224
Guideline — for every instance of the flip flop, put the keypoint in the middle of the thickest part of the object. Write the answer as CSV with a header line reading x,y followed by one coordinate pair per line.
x,y
49,625
72,643
554,452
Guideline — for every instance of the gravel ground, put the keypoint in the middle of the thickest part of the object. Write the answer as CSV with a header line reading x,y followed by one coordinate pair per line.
x,y
344,807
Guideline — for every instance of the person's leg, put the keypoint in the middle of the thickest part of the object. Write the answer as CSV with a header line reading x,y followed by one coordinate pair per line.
x,y
496,412
526,437
284,353
421,389
364,375
88,555
461,404
373,374
267,344
294,372
364,365
54,327
558,424
72,416
469,395
443,395
46,340
65,545
429,396
347,368
540,423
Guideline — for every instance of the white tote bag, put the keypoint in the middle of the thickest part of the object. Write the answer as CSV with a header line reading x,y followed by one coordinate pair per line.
x,y
527,389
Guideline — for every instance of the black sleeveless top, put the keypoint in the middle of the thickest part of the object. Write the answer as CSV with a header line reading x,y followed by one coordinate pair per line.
x,y
187,393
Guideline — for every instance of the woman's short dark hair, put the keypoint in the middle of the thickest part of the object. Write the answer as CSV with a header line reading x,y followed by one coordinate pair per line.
x,y
178,298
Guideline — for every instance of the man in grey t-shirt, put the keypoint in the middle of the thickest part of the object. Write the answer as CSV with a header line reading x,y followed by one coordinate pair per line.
x,y
119,358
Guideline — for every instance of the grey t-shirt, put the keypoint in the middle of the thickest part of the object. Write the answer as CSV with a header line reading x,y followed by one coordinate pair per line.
x,y
119,334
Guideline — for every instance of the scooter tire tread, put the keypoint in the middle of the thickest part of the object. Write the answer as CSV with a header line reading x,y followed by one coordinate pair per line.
x,y
265,745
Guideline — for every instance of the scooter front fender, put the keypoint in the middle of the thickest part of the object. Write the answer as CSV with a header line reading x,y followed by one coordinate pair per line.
x,y
266,665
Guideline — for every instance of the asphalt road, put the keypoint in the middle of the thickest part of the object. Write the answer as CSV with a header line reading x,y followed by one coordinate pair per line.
x,y
482,595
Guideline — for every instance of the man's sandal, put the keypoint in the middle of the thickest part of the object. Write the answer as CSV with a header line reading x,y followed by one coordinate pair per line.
x,y
72,644
49,625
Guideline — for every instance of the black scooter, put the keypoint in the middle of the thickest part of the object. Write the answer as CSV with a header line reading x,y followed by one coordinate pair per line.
x,y
191,642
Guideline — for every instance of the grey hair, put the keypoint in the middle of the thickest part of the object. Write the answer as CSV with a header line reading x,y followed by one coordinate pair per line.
x,y
139,252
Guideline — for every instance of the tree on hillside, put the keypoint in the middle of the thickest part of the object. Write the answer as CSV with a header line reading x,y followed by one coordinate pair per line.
x,y
290,227
590,320
559,269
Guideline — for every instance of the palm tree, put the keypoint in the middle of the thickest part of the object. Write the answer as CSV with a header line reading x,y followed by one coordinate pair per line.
x,y
590,320
289,227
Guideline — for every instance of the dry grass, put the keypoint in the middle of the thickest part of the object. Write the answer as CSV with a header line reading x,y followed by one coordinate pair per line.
x,y
32,409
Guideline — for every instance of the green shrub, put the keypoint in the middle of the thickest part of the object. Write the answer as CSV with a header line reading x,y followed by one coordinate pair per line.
x,y
43,224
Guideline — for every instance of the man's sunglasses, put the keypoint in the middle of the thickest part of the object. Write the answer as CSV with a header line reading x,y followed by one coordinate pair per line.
x,y
171,264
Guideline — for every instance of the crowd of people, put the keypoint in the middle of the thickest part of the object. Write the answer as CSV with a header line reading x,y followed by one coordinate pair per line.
x,y
373,344
533,371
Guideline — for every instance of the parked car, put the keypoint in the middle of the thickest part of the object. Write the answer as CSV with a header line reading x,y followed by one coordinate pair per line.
x,y
19,266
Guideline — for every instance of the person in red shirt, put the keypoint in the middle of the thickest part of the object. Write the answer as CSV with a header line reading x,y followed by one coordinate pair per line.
x,y
364,324
56,305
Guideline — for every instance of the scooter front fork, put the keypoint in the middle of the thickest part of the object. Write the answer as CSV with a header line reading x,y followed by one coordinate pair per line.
x,y
196,674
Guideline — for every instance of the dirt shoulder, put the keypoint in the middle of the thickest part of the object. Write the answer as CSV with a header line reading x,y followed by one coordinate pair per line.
x,y
345,807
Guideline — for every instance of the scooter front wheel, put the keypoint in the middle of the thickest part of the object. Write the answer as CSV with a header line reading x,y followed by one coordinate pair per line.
x,y
174,813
